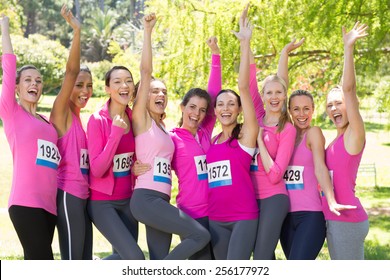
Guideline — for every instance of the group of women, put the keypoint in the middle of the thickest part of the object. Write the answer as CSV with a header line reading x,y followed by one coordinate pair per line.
x,y
239,191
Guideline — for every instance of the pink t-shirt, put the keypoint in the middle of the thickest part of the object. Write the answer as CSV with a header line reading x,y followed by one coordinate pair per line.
x,y
280,146
73,171
155,147
301,181
189,158
231,194
111,155
33,146
344,168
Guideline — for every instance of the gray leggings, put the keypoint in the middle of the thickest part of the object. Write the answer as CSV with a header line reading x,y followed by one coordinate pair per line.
x,y
115,221
346,240
74,227
161,219
233,240
273,210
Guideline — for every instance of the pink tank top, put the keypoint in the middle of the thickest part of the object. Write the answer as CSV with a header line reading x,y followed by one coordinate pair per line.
x,y
301,182
344,168
155,147
231,193
74,167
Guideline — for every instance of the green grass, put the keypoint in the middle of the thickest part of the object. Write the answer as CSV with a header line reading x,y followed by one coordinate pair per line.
x,y
375,199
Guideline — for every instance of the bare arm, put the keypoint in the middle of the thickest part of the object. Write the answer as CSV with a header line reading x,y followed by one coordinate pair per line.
x,y
5,36
316,142
60,115
283,60
250,127
355,133
141,119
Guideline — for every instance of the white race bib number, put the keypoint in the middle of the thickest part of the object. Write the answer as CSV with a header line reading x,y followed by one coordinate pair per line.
x,y
201,167
219,174
84,161
254,163
48,154
162,170
293,177
122,164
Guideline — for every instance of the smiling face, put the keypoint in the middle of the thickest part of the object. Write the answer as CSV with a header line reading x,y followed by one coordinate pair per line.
x,y
335,108
158,98
301,111
82,89
227,108
29,86
121,86
194,113
274,96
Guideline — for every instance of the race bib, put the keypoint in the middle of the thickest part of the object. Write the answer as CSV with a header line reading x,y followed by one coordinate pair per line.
x,y
201,167
122,164
84,161
162,170
293,177
254,163
48,154
219,173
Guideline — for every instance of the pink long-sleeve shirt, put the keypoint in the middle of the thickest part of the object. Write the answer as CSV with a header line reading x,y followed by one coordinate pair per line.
x,y
104,150
189,158
280,146
33,145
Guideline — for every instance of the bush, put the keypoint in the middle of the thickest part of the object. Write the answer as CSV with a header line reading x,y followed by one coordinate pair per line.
x,y
48,56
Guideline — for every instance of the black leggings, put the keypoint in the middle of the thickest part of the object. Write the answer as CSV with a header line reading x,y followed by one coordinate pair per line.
x,y
303,234
74,227
161,219
35,229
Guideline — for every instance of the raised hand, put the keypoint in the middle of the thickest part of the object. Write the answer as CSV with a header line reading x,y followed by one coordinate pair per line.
x,y
292,45
212,42
149,21
70,19
357,32
245,32
4,21
118,121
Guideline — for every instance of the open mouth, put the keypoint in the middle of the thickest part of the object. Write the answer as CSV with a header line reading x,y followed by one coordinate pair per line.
x,y
83,99
159,103
337,117
33,92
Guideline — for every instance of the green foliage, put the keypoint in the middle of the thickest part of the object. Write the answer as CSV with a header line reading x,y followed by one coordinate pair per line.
x,y
48,56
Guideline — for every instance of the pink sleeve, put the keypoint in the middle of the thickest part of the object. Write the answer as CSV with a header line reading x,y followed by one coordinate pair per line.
x,y
100,153
283,155
7,97
214,87
254,90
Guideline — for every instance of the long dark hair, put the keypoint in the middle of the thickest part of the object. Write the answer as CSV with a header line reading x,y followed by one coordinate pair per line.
x,y
237,129
201,93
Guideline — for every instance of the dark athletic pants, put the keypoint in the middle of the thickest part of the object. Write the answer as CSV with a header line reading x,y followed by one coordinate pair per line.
x,y
35,229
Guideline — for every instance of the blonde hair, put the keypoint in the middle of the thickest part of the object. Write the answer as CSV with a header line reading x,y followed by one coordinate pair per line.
x,y
285,116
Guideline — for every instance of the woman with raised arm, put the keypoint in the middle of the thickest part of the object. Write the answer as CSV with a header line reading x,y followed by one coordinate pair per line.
x,y
192,140
73,222
233,211
33,142
346,233
150,201
275,147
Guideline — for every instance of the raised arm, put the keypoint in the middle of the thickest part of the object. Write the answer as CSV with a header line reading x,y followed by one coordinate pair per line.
x,y
283,60
214,84
250,127
355,135
316,143
60,115
7,97
254,89
141,120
